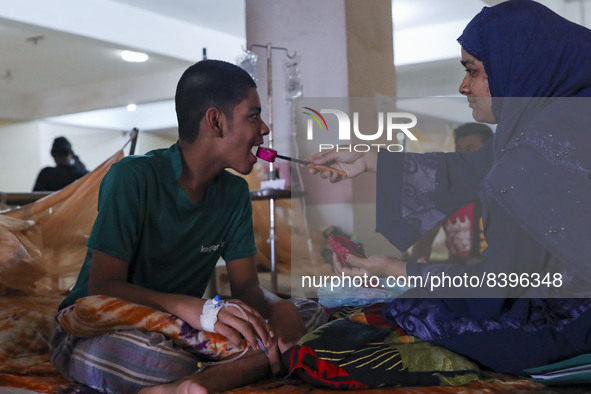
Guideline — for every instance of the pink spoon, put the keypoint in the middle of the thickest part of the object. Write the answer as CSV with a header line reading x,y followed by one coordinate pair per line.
x,y
270,155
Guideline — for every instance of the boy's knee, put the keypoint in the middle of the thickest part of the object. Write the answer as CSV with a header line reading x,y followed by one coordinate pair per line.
x,y
282,307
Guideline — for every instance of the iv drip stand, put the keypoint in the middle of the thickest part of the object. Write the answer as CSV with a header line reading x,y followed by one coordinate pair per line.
x,y
271,174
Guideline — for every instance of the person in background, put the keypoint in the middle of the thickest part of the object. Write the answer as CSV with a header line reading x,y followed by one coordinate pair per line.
x,y
464,238
68,168
469,137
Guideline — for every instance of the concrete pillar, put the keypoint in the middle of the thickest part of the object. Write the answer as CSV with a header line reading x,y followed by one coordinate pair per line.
x,y
370,48
315,31
346,50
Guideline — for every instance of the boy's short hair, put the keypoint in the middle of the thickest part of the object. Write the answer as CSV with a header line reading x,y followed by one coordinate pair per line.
x,y
207,84
473,128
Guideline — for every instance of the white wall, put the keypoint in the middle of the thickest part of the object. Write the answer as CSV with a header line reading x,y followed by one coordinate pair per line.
x,y
25,149
19,156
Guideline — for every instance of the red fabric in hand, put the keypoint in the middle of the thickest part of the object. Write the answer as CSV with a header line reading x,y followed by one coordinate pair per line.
x,y
343,246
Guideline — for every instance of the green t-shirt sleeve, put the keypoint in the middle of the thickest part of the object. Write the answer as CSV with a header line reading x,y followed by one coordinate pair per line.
x,y
241,235
118,223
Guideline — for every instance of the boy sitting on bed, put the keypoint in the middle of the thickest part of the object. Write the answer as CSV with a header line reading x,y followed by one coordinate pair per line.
x,y
164,219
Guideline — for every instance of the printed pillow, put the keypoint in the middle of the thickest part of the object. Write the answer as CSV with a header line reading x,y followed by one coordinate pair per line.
x,y
96,315
26,324
363,351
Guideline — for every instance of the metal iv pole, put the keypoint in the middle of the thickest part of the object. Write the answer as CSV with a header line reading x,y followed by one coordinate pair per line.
x,y
271,173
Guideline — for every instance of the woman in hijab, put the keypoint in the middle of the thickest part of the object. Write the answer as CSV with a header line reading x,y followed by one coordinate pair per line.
x,y
527,69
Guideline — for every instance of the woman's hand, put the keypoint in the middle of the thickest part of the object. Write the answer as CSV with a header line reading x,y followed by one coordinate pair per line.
x,y
353,163
381,266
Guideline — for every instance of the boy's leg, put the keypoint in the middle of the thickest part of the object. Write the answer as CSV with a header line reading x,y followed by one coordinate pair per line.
x,y
107,362
253,366
120,362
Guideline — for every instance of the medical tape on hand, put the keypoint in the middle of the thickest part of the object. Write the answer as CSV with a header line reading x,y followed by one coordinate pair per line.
x,y
213,308
209,314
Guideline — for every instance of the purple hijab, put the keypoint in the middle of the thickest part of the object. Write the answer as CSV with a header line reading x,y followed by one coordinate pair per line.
x,y
539,70
529,51
533,177
538,166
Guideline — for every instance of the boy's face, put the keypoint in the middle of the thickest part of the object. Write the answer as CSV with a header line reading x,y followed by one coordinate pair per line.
x,y
245,131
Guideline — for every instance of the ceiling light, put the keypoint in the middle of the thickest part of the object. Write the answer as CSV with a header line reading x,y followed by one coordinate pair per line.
x,y
134,57
131,107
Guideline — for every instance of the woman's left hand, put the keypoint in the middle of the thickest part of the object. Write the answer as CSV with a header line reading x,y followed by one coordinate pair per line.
x,y
381,266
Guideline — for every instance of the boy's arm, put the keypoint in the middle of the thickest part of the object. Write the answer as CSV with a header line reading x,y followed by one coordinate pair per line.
x,y
283,316
244,284
108,276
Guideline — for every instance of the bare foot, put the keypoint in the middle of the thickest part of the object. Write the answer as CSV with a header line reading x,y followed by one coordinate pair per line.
x,y
253,366
186,386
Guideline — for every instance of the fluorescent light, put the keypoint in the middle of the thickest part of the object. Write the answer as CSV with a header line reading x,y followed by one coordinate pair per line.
x,y
131,107
134,57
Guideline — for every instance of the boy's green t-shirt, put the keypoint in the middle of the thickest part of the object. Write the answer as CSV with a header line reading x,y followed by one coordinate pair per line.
x,y
171,243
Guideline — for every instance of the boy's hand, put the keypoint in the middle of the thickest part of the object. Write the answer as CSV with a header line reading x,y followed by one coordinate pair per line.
x,y
234,322
275,358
